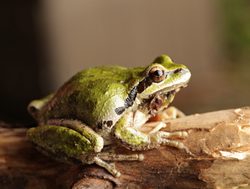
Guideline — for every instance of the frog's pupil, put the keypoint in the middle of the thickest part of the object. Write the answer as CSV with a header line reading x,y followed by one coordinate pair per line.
x,y
158,73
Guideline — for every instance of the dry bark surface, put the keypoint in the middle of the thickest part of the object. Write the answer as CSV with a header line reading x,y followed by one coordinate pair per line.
x,y
220,142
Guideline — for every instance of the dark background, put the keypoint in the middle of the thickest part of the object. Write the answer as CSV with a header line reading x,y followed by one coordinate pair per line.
x,y
21,54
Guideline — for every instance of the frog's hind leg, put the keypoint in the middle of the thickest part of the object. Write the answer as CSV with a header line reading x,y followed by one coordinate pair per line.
x,y
64,141
69,140
101,159
94,139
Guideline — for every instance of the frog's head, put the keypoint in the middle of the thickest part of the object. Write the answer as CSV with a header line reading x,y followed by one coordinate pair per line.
x,y
161,80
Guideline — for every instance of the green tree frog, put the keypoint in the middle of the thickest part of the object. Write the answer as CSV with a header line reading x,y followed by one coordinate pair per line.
x,y
104,106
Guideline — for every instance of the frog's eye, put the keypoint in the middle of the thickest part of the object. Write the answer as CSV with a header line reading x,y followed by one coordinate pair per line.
x,y
157,74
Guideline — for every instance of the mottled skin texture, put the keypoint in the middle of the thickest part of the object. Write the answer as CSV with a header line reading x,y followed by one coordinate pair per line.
x,y
97,106
92,94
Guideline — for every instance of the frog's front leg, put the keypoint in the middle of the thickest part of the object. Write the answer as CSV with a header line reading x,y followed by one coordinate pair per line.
x,y
134,139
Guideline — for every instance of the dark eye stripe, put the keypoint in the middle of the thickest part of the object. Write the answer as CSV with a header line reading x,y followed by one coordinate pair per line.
x,y
119,110
128,102
145,83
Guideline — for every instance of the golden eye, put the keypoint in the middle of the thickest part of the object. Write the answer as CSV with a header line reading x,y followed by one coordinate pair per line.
x,y
157,74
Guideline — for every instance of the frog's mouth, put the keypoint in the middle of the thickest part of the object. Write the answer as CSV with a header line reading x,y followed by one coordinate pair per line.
x,y
153,105
161,99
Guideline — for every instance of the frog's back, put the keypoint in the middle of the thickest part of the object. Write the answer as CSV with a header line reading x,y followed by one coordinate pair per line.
x,y
92,96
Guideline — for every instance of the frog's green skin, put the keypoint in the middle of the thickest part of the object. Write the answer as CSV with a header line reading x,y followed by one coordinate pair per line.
x,y
97,106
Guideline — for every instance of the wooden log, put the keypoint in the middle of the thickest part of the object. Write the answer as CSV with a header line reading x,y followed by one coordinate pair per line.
x,y
220,142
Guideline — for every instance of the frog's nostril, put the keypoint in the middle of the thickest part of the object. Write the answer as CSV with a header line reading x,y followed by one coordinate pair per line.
x,y
177,70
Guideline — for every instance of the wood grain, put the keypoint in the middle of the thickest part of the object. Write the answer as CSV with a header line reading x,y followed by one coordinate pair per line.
x,y
220,142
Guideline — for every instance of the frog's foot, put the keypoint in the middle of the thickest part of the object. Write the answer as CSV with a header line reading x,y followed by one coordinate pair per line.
x,y
173,113
36,105
120,157
101,158
176,134
162,138
155,127
108,166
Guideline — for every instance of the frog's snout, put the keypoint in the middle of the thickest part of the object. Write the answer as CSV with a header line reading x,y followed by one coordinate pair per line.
x,y
182,70
182,75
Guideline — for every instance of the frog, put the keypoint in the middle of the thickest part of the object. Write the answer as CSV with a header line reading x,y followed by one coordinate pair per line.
x,y
108,106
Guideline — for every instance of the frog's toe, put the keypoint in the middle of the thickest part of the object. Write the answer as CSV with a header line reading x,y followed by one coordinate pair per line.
x,y
162,138
177,144
177,134
173,113
110,167
121,157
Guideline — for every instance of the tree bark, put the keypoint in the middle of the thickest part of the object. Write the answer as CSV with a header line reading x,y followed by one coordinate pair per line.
x,y
220,142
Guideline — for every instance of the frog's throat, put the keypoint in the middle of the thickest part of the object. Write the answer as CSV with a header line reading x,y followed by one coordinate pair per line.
x,y
158,102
